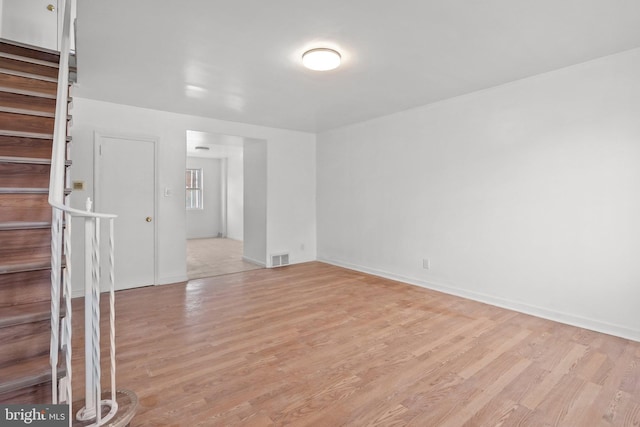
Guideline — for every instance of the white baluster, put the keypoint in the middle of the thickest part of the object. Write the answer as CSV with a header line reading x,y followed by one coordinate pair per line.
x,y
90,409
112,310
56,255
95,267
67,318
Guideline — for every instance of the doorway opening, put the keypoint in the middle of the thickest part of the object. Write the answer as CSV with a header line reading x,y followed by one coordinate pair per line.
x,y
225,189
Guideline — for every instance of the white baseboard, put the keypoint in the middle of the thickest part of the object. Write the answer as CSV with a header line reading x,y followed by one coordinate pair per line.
x,y
567,318
168,280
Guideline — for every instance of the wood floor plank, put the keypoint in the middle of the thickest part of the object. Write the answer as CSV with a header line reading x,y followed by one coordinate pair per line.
x,y
484,395
318,345
579,410
632,414
491,356
533,399
497,412
614,412
592,366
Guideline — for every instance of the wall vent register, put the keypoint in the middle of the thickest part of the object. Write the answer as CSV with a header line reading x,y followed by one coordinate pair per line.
x,y
279,260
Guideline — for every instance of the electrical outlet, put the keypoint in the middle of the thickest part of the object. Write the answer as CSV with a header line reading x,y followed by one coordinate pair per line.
x,y
426,264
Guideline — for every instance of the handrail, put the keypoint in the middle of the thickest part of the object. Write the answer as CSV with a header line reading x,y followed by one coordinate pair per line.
x,y
62,215
58,160
56,196
56,177
81,213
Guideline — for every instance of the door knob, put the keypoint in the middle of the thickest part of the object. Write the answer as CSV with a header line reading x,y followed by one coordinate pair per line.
x,y
51,8
148,219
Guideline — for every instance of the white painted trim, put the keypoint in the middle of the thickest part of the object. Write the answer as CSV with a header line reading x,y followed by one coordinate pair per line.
x,y
254,261
96,180
557,316
224,195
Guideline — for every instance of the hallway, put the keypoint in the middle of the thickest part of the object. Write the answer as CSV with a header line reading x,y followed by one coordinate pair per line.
x,y
215,257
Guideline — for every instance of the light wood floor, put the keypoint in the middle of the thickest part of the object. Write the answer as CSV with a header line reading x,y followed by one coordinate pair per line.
x,y
215,257
318,345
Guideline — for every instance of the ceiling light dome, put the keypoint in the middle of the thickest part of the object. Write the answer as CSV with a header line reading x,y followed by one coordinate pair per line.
x,y
321,59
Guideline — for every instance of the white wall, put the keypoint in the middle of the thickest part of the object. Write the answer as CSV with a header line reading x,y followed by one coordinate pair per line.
x,y
29,22
235,191
291,158
525,195
206,222
255,201
288,217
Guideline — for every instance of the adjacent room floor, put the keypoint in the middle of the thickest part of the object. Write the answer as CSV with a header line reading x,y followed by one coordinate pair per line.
x,y
318,345
215,257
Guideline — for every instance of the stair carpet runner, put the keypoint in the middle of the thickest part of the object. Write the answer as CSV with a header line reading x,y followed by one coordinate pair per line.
x,y
28,84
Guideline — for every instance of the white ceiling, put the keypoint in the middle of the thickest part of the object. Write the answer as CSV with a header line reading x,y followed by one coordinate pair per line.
x,y
240,60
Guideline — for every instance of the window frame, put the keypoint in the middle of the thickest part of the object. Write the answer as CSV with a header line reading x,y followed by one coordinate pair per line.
x,y
194,188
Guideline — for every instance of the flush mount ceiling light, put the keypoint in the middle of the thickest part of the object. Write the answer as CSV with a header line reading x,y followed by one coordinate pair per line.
x,y
321,59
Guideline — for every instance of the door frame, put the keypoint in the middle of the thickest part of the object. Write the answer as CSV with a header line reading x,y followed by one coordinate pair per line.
x,y
97,136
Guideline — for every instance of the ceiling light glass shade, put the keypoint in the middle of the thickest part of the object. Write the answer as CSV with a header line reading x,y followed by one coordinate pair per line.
x,y
321,59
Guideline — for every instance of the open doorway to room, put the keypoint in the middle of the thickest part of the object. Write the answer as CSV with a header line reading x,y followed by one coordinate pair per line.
x,y
225,187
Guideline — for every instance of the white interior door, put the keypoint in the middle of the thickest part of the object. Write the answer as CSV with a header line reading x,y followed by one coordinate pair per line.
x,y
125,186
33,22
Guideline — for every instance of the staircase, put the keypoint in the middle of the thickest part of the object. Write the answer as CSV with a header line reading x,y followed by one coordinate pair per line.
x,y
28,85
35,245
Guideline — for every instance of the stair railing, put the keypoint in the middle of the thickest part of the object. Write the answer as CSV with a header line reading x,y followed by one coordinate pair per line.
x,y
61,269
